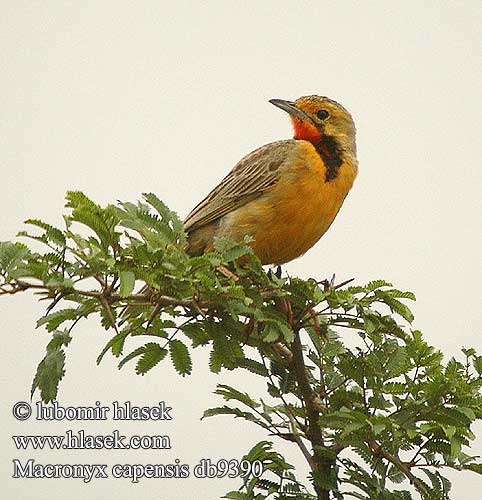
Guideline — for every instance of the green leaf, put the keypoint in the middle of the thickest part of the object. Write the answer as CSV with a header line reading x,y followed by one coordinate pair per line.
x,y
395,362
51,369
55,319
374,285
11,256
455,446
396,306
51,233
253,366
101,220
127,282
468,412
228,351
236,252
230,393
153,353
275,330
119,338
167,215
477,361
237,495
49,373
215,361
180,357
395,475
474,468
394,388
352,427
134,354
384,382
271,332
236,413
197,333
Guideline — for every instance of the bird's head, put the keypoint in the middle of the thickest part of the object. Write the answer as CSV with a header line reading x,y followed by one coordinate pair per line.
x,y
316,117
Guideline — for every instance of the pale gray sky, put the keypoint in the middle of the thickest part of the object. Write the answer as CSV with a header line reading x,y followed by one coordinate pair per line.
x,y
119,98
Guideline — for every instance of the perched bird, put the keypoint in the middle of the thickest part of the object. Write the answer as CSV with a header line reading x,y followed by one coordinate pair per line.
x,y
287,193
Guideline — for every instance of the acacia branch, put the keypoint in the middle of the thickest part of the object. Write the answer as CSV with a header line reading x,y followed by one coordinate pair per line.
x,y
311,399
403,467
299,441
147,297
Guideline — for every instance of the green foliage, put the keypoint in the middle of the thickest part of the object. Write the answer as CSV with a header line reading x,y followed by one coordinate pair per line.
x,y
151,355
276,482
344,370
51,369
180,357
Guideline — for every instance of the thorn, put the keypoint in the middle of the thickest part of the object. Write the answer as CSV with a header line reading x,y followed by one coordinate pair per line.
x,y
329,285
343,283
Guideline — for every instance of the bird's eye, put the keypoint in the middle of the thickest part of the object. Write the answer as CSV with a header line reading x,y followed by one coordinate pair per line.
x,y
322,114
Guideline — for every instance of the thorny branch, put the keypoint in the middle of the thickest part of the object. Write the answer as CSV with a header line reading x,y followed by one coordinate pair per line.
x,y
310,398
403,467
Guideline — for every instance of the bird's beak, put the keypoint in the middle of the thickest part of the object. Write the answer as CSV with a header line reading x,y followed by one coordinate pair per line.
x,y
290,108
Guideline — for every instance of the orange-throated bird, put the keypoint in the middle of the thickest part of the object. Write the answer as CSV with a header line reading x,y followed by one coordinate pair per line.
x,y
287,193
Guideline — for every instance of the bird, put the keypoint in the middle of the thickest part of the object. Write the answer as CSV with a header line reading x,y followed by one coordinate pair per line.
x,y
285,194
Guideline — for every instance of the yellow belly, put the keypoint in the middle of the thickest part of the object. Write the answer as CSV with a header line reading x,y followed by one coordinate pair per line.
x,y
289,219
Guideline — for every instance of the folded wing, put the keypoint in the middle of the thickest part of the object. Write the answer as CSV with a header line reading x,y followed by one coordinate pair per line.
x,y
255,174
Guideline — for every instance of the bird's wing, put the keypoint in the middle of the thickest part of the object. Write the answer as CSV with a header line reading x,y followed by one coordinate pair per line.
x,y
251,177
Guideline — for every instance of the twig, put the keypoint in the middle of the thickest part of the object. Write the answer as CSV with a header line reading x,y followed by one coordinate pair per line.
x,y
293,422
299,442
314,432
401,466
136,298
108,309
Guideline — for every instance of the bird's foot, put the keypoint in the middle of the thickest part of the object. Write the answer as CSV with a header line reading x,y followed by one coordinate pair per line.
x,y
276,273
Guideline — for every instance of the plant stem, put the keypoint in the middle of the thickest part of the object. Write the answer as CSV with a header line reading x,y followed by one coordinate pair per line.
x,y
320,466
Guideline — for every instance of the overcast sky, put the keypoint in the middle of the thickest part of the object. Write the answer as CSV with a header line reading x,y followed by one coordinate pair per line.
x,y
119,98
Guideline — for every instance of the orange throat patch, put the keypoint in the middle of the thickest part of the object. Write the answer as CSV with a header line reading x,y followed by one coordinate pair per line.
x,y
305,130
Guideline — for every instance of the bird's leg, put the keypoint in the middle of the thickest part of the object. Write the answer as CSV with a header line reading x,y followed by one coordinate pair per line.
x,y
278,272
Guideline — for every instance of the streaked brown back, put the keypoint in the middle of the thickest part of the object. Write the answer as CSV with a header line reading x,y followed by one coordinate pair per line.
x,y
255,174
